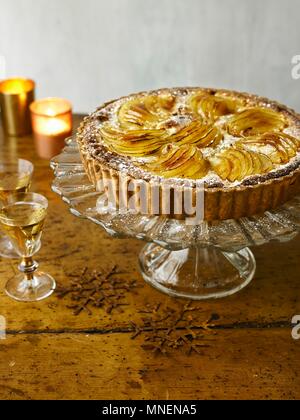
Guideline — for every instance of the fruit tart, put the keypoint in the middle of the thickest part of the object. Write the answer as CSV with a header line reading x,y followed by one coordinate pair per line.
x,y
244,150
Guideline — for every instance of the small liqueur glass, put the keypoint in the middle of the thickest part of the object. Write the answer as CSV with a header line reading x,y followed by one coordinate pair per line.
x,y
22,216
15,177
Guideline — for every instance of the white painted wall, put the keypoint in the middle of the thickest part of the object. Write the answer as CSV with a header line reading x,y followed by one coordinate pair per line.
x,y
90,51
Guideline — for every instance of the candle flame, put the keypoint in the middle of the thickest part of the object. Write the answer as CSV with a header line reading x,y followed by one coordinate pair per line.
x,y
16,86
53,127
50,112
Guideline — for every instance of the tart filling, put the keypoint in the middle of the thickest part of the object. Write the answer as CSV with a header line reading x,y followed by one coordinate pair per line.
x,y
218,137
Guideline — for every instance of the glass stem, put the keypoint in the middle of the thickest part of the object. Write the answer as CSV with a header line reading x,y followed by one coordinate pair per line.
x,y
28,267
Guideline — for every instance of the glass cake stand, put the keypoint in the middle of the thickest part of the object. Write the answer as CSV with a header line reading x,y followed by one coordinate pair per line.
x,y
209,260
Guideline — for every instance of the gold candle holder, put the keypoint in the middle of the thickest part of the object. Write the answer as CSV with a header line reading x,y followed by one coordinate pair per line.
x,y
15,97
52,124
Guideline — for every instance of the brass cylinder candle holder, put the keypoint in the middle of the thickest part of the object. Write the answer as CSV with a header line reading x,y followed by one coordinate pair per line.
x,y
15,97
52,124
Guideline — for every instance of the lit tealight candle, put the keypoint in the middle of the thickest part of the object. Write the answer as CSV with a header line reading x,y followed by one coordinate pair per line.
x,y
52,124
15,97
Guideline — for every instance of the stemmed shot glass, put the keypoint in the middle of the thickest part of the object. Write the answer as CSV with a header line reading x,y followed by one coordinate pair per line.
x,y
22,216
15,177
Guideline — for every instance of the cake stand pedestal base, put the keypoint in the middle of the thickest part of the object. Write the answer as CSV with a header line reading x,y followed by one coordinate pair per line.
x,y
197,273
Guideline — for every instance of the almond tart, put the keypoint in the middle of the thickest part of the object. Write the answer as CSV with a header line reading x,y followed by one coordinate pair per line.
x,y
244,149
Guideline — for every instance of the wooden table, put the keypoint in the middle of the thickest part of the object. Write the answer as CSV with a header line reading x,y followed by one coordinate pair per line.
x,y
50,353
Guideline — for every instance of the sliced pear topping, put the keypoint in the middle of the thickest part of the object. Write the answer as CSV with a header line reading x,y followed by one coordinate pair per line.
x,y
236,164
211,107
280,147
255,121
175,161
197,134
146,111
172,134
132,142
142,142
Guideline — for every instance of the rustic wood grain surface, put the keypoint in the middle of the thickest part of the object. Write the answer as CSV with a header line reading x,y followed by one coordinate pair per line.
x,y
49,352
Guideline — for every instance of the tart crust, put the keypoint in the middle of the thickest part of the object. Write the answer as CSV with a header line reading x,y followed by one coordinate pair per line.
x,y
254,195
